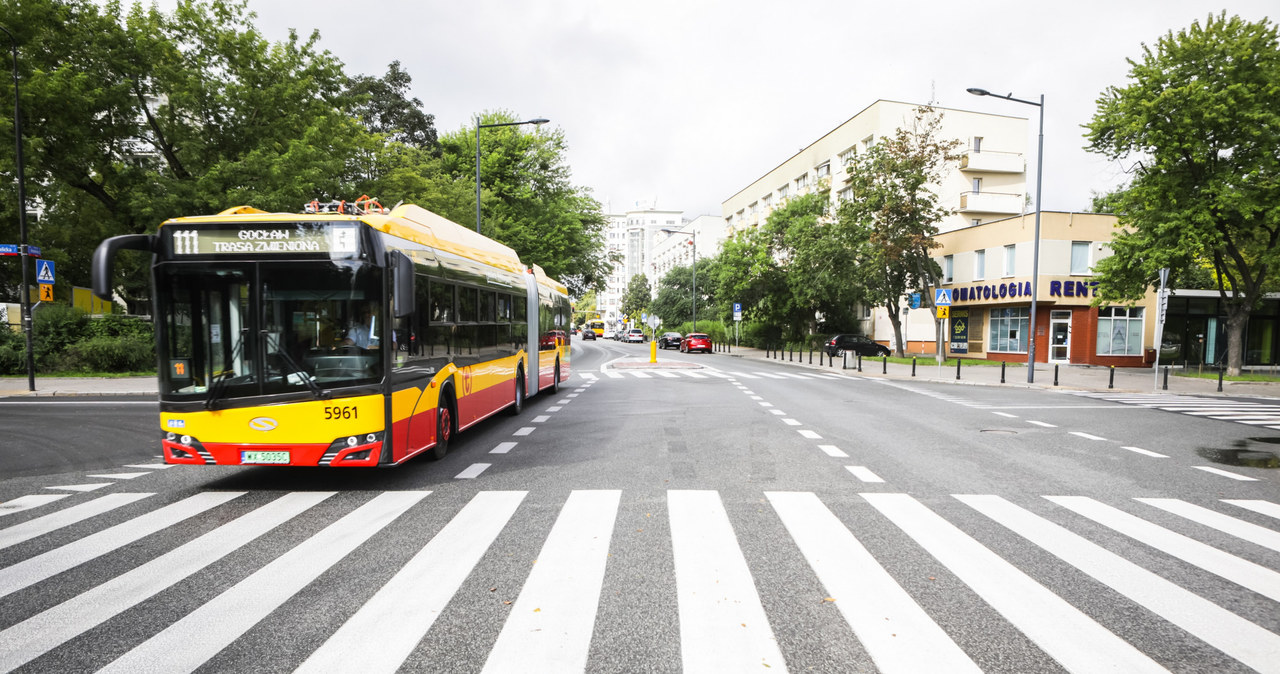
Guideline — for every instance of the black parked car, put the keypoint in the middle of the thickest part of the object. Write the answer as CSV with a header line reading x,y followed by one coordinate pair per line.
x,y
838,344
670,340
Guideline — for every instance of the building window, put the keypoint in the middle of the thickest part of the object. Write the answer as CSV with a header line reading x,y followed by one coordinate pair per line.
x,y
848,155
948,268
1120,331
1079,257
977,143
824,170
782,192
768,201
868,142
975,222
977,185
1007,330
979,265
1010,259
802,182
755,207
845,194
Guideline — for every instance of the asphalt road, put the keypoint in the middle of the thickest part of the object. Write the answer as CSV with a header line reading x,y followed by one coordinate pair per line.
x,y
730,517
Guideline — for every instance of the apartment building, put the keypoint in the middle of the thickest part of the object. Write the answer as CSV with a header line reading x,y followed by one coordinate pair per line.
x,y
989,182
631,235
670,250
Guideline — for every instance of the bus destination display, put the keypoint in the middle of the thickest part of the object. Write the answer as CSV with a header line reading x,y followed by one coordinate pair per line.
x,y
308,238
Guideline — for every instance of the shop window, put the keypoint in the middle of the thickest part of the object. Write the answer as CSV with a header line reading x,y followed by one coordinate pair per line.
x,y
1007,330
1120,331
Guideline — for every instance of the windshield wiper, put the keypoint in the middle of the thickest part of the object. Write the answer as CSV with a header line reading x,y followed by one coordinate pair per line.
x,y
220,379
306,378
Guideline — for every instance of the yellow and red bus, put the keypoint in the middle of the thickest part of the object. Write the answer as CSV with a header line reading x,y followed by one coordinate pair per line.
x,y
345,335
597,326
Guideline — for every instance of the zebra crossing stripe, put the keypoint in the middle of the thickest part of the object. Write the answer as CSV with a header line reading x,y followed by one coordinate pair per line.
x,y
44,632
201,634
723,626
1260,507
767,375
1062,631
638,374
1229,525
66,517
894,629
549,628
415,596
1242,572
1226,473
28,502
695,375
35,569
666,375
1203,619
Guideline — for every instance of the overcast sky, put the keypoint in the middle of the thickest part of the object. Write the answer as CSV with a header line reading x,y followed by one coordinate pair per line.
x,y
685,102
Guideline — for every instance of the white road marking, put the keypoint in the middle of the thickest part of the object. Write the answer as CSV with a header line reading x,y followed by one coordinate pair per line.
x,y
472,471
1225,473
832,450
723,626
864,474
503,448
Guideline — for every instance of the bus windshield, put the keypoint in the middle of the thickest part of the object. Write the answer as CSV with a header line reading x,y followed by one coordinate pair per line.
x,y
235,330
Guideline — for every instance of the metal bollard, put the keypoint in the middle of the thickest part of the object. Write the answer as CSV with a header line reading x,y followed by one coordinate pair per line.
x,y
1166,377
884,365
859,362
913,366
1002,372
1055,375
811,356
1220,373
1111,383
958,361
844,361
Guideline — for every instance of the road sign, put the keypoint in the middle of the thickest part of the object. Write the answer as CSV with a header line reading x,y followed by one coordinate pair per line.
x,y
46,292
44,271
944,311
915,300
942,297
737,311
9,249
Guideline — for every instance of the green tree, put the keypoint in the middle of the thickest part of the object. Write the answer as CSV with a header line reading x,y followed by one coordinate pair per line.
x,y
134,117
635,300
894,214
674,300
1200,118
528,201
748,271
818,263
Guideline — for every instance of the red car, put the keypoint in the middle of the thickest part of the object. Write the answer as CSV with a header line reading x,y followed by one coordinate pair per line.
x,y
695,341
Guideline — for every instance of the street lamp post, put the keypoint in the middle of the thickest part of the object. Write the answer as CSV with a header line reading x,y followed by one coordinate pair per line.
x,y
479,126
1035,248
693,241
23,253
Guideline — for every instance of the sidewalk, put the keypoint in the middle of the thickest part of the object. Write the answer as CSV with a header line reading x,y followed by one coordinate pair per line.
x,y
1070,377
984,373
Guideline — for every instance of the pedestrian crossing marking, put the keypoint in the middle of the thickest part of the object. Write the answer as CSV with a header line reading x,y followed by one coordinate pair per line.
x,y
1249,413
895,630
22,503
229,615
65,518
416,595
1054,625
1229,633
723,622
549,629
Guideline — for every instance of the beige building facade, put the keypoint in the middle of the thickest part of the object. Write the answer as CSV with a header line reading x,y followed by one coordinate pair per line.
x,y
989,182
988,270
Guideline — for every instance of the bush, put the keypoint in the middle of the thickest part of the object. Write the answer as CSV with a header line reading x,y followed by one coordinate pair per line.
x,y
119,325
13,350
130,353
54,329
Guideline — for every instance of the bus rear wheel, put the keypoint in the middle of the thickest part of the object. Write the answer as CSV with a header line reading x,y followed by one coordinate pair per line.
x,y
555,382
517,406
444,428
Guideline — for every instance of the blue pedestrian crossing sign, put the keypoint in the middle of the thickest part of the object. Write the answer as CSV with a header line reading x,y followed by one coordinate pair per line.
x,y
942,297
44,271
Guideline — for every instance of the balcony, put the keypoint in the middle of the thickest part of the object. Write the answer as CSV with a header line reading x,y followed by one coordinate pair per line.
x,y
993,162
991,202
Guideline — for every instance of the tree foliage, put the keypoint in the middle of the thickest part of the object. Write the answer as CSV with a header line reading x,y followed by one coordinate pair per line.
x,y
893,216
1200,117
132,116
674,301
636,299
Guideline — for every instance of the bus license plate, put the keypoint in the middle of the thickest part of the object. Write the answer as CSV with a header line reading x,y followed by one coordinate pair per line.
x,y
264,457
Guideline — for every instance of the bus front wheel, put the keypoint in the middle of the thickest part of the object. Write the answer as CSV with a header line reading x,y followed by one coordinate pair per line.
x,y
517,406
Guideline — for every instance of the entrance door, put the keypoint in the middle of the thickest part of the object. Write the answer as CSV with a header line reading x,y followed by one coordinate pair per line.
x,y
1059,336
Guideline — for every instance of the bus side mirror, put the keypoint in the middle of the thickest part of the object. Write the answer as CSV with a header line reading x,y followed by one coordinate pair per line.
x,y
402,283
104,259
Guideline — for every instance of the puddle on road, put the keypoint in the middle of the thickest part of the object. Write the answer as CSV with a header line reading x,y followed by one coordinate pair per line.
x,y
1241,455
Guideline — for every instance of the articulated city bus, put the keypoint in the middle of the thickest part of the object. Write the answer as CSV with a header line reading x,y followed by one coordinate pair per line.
x,y
346,335
597,326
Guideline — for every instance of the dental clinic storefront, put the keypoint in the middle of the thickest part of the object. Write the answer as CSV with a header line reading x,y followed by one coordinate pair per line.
x,y
988,268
